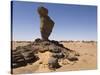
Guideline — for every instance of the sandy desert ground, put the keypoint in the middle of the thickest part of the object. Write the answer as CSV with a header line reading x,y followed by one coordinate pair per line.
x,y
87,59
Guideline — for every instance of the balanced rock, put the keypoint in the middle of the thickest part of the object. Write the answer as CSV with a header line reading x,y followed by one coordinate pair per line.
x,y
30,53
46,24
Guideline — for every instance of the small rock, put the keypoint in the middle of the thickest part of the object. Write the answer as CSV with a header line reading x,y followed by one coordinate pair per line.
x,y
53,63
72,58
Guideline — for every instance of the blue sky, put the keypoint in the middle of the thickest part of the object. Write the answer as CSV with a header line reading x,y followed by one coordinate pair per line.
x,y
72,22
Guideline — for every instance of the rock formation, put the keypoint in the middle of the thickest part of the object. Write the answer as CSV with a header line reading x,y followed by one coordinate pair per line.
x,y
29,54
46,24
23,55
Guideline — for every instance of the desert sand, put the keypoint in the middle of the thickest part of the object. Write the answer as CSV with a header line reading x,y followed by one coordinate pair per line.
x,y
87,59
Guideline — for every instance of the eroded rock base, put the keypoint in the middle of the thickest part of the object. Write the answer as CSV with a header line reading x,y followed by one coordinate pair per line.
x,y
29,54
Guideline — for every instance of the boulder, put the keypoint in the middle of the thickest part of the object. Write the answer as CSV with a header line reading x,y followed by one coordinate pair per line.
x,y
53,63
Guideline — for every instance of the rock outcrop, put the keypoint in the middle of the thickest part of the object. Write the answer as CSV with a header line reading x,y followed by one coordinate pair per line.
x,y
29,54
46,23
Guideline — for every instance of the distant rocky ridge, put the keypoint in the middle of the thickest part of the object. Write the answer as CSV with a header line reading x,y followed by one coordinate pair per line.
x,y
23,55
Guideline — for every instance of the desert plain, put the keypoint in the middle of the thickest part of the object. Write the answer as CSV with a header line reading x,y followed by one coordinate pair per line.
x,y
87,59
